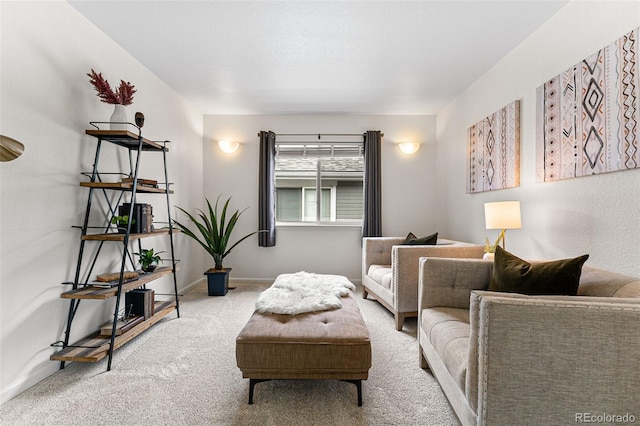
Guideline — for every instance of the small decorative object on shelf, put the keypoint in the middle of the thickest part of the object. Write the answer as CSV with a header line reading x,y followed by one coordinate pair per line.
x,y
121,97
122,326
121,223
148,259
139,117
118,119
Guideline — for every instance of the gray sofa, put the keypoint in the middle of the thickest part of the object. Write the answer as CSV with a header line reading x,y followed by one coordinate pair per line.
x,y
506,358
390,270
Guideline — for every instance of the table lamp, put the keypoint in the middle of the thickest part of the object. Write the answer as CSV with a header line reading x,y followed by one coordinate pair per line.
x,y
502,215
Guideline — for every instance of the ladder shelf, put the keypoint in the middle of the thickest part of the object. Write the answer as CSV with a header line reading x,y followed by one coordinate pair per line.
x,y
96,347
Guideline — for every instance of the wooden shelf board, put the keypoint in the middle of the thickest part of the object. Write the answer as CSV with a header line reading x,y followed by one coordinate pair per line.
x,y
126,139
115,236
96,347
124,187
102,293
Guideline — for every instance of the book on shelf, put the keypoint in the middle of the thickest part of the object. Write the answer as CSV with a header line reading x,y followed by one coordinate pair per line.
x,y
110,276
142,182
143,215
113,283
146,215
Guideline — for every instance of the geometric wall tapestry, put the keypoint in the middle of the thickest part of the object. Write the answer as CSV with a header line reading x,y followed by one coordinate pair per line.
x,y
494,151
588,117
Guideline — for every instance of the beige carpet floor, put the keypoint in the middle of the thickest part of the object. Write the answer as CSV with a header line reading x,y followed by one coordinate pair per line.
x,y
183,372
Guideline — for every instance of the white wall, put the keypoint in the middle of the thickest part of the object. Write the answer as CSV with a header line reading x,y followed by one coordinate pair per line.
x,y
407,190
597,214
47,103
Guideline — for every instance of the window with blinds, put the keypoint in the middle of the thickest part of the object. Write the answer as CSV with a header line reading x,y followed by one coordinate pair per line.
x,y
319,182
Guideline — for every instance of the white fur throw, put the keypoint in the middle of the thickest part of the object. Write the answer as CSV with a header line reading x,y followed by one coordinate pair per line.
x,y
304,292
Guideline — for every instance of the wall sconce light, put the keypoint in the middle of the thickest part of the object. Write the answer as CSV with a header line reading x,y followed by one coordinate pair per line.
x,y
228,146
502,215
10,149
409,147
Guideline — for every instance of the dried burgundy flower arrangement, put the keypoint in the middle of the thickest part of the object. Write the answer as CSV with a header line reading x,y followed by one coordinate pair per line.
x,y
123,96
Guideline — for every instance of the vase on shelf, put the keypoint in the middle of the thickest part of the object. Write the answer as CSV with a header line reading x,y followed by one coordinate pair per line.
x,y
149,268
489,256
118,120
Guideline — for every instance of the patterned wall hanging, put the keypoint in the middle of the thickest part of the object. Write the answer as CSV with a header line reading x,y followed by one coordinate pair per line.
x,y
494,151
588,117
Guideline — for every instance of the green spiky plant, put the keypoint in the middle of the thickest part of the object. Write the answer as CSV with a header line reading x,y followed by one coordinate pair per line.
x,y
214,230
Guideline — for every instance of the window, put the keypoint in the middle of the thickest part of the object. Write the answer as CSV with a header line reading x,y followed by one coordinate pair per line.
x,y
336,170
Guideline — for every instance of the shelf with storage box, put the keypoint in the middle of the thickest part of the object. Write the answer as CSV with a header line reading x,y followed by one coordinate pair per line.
x,y
96,346
134,222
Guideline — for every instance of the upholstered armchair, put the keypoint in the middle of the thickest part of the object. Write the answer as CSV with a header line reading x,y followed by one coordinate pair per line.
x,y
507,358
390,270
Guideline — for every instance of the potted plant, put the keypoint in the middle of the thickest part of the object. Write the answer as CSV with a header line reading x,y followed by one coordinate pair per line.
x,y
213,234
121,223
149,259
119,98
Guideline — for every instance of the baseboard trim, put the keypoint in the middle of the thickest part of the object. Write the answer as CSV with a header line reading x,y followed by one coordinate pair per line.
x,y
192,285
33,377
241,281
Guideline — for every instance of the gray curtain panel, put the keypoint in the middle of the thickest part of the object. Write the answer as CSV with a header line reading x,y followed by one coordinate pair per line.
x,y
372,221
267,190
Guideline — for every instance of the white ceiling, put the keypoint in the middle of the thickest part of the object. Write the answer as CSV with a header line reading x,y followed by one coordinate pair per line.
x,y
320,57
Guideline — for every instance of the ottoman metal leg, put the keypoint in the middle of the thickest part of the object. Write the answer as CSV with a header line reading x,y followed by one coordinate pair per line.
x,y
252,383
358,384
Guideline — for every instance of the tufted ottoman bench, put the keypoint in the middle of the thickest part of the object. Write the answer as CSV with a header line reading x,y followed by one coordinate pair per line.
x,y
317,345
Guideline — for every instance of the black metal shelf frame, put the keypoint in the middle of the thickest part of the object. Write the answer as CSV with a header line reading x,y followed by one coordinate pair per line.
x,y
135,144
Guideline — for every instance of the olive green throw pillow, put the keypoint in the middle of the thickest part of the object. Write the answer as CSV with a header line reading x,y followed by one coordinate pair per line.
x,y
412,240
514,275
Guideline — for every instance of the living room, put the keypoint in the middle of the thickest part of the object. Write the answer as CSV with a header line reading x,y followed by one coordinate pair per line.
x,y
47,103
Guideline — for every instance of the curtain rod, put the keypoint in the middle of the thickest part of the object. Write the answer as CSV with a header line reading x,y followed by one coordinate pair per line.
x,y
321,134
315,143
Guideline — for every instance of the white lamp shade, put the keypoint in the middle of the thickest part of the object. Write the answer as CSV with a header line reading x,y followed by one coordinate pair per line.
x,y
409,147
502,215
228,146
